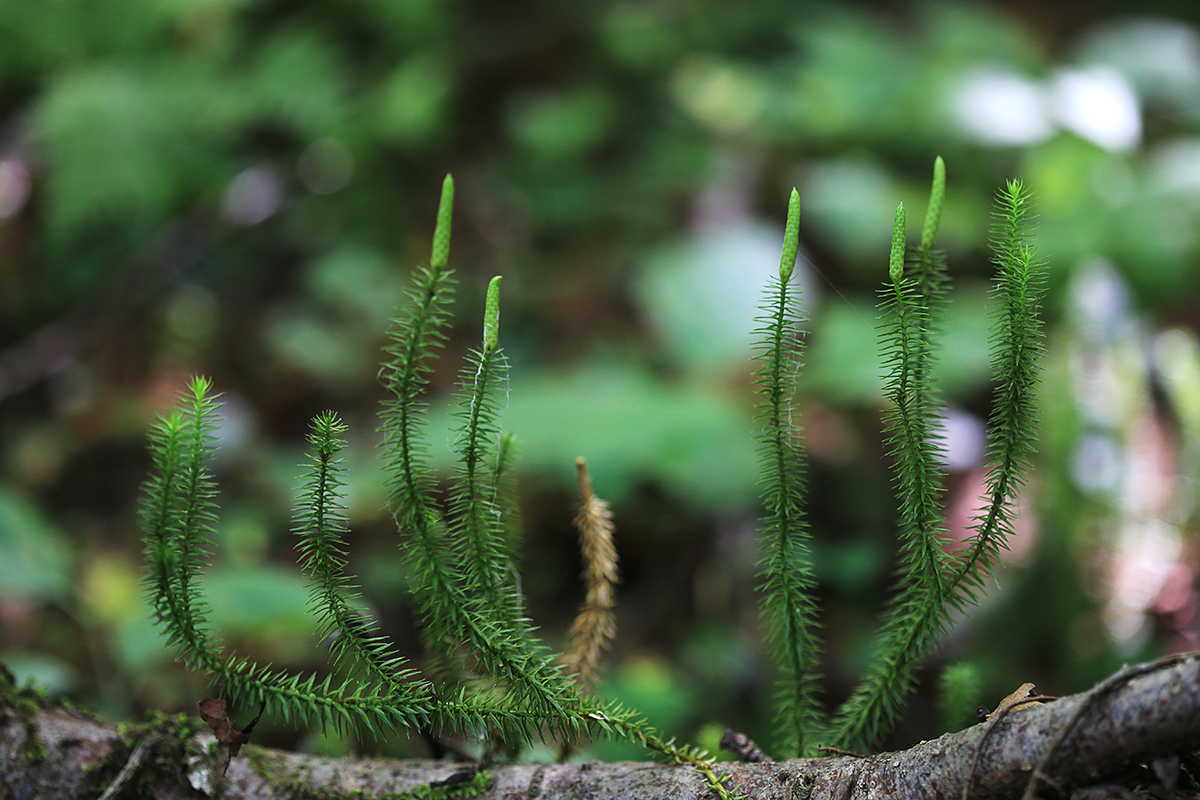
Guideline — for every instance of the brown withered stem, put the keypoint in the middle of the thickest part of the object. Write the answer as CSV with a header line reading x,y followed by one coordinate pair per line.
x,y
595,625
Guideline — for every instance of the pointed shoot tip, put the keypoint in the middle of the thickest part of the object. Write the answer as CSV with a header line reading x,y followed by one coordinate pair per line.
x,y
491,316
896,259
791,238
937,195
441,231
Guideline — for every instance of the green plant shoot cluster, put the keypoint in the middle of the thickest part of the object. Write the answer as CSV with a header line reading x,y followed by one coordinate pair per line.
x,y
930,581
488,676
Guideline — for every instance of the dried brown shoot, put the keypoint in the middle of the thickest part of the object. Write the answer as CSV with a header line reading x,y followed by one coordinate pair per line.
x,y
595,625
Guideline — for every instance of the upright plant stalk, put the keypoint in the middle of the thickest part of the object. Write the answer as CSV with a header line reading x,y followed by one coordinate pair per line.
x,y
478,525
353,636
447,561
459,569
917,613
354,639
179,517
507,502
786,579
415,340
927,267
1016,352
450,562
931,582
179,514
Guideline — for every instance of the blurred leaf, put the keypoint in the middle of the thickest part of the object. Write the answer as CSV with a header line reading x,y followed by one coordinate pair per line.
x,y
48,36
853,567
1160,55
258,600
111,587
631,428
848,203
317,346
703,293
360,282
41,671
137,644
727,97
640,36
842,363
244,537
404,24
261,609
119,142
962,34
412,105
652,687
1156,244
724,659
853,79
963,363
35,561
1064,172
298,81
1177,353
563,125
202,7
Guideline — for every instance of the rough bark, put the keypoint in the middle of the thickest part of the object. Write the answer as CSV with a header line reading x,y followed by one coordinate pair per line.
x,y
1142,715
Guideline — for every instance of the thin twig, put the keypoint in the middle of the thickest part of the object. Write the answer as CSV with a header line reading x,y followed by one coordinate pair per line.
x,y
131,766
839,751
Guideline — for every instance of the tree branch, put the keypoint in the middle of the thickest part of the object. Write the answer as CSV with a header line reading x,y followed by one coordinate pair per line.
x,y
1138,715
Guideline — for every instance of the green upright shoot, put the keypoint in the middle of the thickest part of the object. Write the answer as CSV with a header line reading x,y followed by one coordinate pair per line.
x,y
786,575
487,674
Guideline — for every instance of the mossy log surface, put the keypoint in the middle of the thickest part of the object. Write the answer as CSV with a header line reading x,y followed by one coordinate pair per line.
x,y
1129,730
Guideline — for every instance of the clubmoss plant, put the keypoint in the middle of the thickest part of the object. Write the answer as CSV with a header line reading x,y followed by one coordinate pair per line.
x,y
487,674
930,580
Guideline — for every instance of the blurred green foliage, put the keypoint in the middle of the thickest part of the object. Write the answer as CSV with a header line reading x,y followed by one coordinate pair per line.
x,y
238,187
